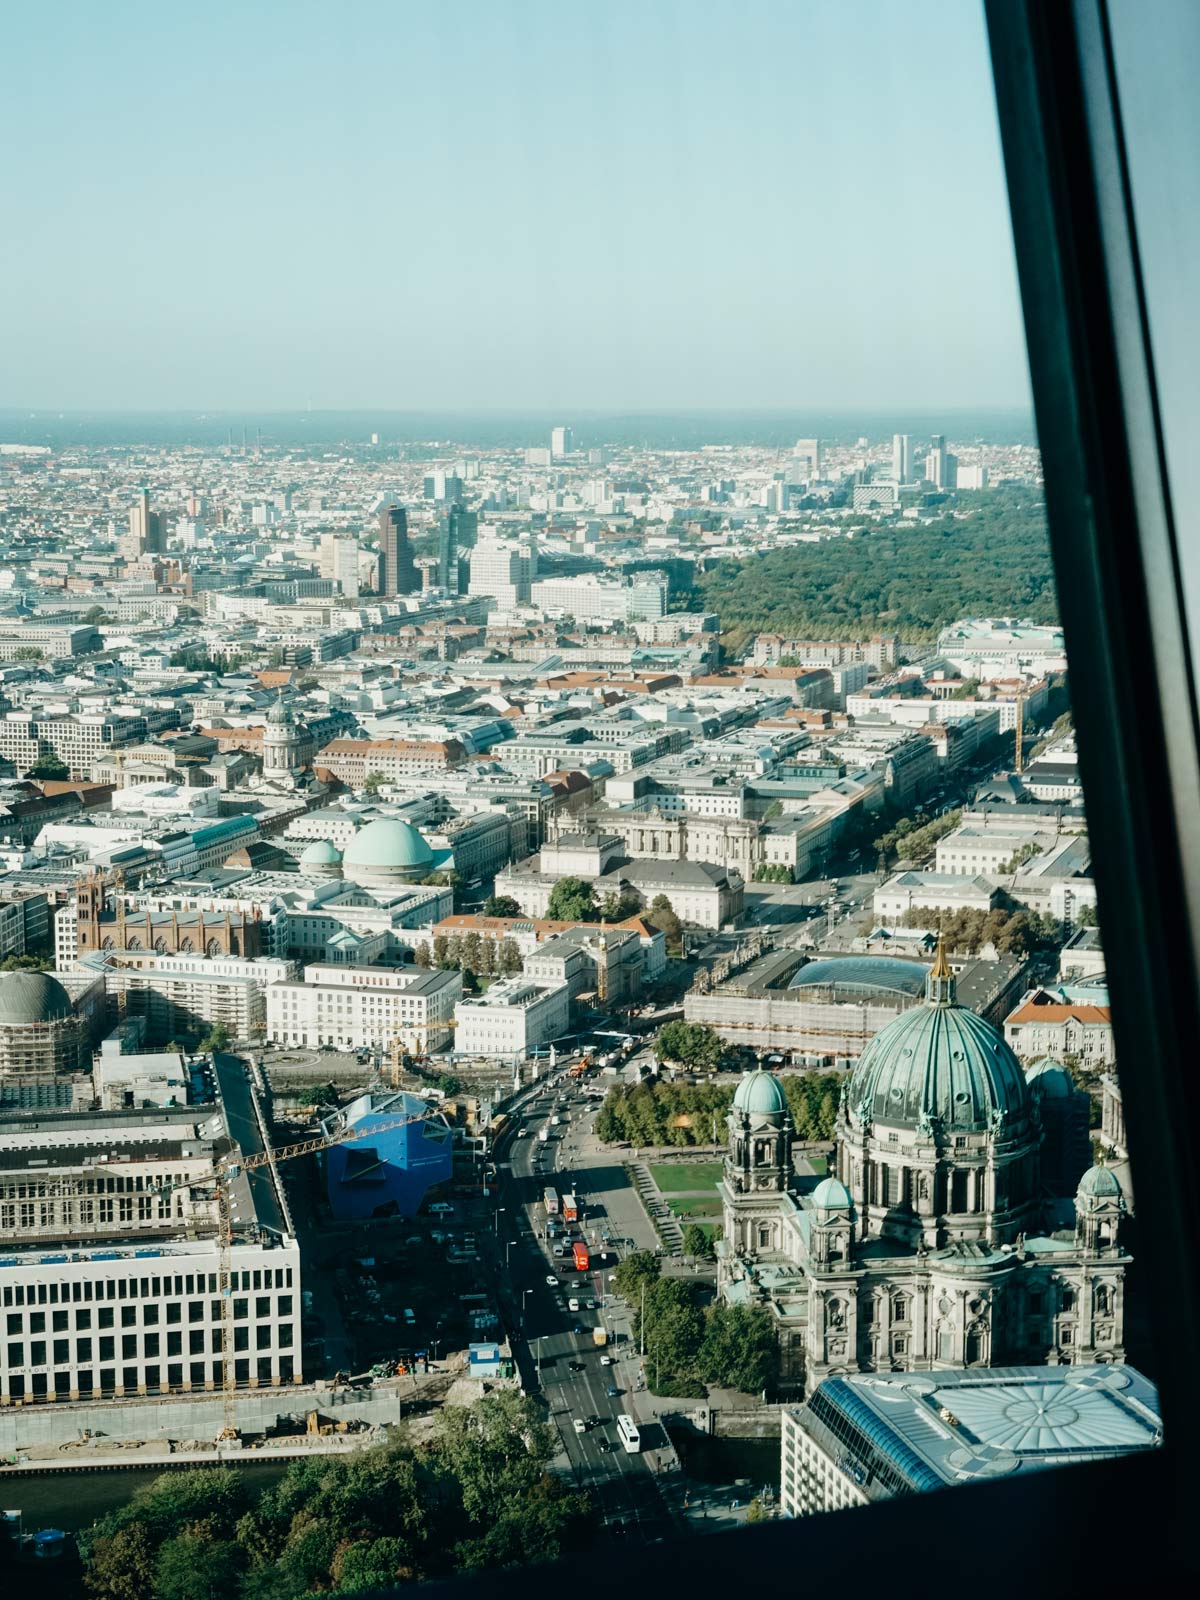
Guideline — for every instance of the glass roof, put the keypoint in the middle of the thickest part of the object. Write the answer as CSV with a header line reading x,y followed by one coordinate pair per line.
x,y
864,972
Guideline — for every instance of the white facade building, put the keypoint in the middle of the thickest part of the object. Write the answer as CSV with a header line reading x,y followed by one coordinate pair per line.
x,y
110,1284
357,1008
512,1018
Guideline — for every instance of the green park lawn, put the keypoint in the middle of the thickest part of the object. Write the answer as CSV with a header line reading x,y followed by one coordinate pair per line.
x,y
679,1177
696,1207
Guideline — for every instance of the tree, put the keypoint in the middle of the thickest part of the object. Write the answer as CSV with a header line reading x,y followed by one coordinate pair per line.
x,y
28,652
196,1566
50,766
616,907
501,905
694,1044
740,1349
756,1511
696,1242
120,1565
422,955
27,963
373,782
637,1271
217,1037
662,916
508,957
573,900
94,615
672,1330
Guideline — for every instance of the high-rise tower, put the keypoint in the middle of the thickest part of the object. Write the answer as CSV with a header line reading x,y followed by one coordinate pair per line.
x,y
398,573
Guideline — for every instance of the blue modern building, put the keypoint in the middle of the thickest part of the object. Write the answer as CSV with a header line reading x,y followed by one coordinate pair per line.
x,y
391,1164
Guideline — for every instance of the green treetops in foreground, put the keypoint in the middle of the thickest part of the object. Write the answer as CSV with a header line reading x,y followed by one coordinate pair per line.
x,y
478,1495
689,1348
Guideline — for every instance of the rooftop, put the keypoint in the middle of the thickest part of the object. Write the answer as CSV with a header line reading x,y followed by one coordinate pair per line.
x,y
900,1432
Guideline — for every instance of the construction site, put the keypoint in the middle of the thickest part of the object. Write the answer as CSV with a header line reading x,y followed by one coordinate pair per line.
x,y
166,1292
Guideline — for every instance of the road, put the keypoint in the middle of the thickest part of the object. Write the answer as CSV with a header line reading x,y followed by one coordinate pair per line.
x,y
570,1370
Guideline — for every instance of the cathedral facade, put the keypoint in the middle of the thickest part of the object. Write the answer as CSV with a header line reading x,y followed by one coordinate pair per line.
x,y
932,1243
120,928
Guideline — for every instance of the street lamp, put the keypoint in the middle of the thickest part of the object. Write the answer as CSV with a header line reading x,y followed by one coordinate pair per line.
x,y
496,1219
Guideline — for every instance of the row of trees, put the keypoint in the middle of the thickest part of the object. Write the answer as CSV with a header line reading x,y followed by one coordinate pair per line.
x,y
763,873
690,1348
914,838
1012,932
470,953
684,1114
480,1495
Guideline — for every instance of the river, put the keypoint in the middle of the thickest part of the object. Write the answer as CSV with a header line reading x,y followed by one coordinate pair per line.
x,y
74,1500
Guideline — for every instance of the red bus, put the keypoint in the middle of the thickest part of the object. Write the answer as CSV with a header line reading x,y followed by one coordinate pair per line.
x,y
581,1256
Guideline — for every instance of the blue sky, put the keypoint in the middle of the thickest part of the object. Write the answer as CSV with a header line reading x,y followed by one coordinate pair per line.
x,y
503,203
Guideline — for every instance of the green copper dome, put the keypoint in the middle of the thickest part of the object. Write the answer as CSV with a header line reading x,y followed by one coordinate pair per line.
x,y
389,844
321,853
832,1195
1100,1183
938,1061
761,1094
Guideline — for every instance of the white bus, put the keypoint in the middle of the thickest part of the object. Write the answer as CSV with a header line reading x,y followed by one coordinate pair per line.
x,y
627,1432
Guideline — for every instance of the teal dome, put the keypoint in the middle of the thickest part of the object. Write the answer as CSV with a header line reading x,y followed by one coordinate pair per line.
x,y
938,1061
1051,1078
388,847
761,1094
831,1195
1100,1183
321,853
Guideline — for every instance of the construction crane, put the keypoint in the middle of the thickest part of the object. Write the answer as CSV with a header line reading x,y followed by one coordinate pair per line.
x,y
230,1167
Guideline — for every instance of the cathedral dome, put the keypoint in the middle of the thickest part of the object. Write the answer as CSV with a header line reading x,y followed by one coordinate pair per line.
x,y
938,1061
388,848
760,1094
1100,1183
27,997
832,1195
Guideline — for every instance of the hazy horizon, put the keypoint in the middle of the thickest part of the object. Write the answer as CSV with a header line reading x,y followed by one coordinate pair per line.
x,y
491,428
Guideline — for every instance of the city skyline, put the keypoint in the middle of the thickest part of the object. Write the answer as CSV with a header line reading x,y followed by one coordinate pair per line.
x,y
569,211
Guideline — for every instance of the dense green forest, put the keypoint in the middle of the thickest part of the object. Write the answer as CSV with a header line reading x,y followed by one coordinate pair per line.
x,y
480,1494
992,559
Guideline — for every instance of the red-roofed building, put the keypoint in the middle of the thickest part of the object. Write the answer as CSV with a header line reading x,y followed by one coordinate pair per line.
x,y
1044,1025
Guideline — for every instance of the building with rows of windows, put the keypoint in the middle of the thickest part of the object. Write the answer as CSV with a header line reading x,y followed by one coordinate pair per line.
x,y
111,1266
934,1242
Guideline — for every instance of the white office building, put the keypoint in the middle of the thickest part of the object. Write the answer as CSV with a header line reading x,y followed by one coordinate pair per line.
x,y
512,1018
110,1282
357,1008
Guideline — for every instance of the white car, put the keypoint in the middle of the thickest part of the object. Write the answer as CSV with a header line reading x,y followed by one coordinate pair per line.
x,y
579,1425
552,1280
606,1361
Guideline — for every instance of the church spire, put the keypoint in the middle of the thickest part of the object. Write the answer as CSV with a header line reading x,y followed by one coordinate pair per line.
x,y
939,986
